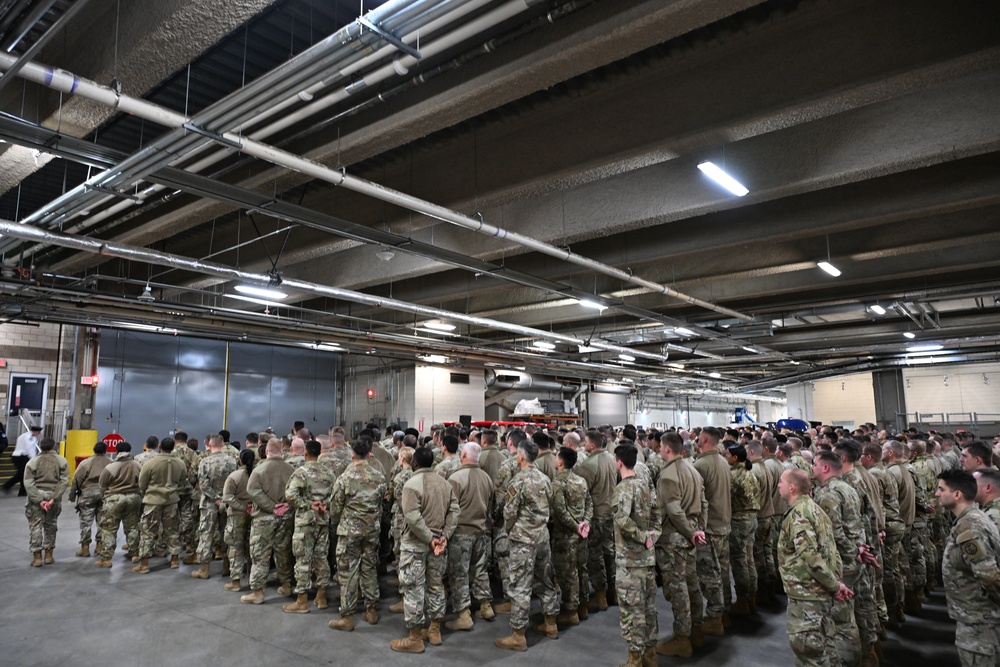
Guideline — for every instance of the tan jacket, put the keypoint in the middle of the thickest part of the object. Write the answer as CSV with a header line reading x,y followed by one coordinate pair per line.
x,y
121,476
474,491
602,477
266,486
430,509
87,479
715,472
680,494
163,480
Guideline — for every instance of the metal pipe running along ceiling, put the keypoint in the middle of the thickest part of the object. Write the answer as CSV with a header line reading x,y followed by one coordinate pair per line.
x,y
112,249
69,83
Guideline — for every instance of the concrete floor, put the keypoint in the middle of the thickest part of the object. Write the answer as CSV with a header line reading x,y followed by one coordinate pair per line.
x,y
72,613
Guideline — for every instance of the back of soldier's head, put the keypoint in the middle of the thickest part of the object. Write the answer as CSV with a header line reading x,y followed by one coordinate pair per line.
x,y
362,447
423,457
529,449
313,448
568,456
100,448
47,444
627,454
849,450
450,443
124,448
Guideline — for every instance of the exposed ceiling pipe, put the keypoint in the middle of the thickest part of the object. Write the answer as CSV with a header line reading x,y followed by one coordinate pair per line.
x,y
67,82
53,30
112,249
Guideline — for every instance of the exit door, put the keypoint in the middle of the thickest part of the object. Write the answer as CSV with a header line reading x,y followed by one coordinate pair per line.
x,y
28,392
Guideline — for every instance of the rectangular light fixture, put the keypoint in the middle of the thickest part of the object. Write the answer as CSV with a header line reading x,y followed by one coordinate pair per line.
x,y
434,358
440,326
723,179
877,309
750,349
924,348
715,375
588,348
679,367
909,334
261,292
626,357
591,304
829,268
331,347
681,331
543,345
436,332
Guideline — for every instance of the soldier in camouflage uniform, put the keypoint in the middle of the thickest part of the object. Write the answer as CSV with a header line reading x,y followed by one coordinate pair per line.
x,y
122,504
237,532
451,461
469,546
45,480
762,558
744,492
296,453
970,571
150,449
810,567
526,517
599,473
86,491
988,496
921,561
501,542
212,474
187,506
925,467
713,558
431,512
843,506
403,473
572,510
776,468
309,492
271,526
637,528
890,576
356,509
161,483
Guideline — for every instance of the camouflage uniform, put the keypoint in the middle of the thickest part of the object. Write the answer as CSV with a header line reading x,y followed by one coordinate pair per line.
x,y
684,509
842,504
501,542
145,456
892,549
448,466
571,504
810,569
601,477
122,505
745,491
296,461
872,522
188,504
269,534
430,510
799,461
713,557
237,533
396,498
775,467
311,482
469,546
86,490
917,535
972,586
526,517
925,475
992,510
212,474
45,478
766,484
636,518
356,509
161,482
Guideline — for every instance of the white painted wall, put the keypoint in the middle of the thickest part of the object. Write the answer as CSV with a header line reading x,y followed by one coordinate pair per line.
x,y
964,388
847,400
436,399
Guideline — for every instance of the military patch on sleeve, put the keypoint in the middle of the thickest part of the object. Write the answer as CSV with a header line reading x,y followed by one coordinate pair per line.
x,y
971,548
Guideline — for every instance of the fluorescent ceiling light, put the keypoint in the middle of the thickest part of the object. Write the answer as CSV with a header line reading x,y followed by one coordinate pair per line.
x,y
924,348
440,326
434,358
543,345
679,367
588,348
715,375
518,368
750,349
877,309
261,292
909,334
434,331
723,179
829,268
626,357
681,331
591,304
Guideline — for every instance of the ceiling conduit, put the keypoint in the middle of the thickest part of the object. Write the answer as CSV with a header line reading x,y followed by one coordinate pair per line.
x,y
58,79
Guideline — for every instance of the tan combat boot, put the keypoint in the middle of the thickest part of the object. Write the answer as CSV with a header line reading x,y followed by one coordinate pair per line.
x,y
300,606
568,617
678,646
869,658
634,659
434,632
515,642
201,572
83,551
320,600
48,556
175,562
218,555
463,622
253,597
285,589
102,563
583,611
412,643
649,657
396,608
712,626
486,611
548,627
142,567
36,559
370,616
600,601
392,581
190,560
503,607
233,585
344,623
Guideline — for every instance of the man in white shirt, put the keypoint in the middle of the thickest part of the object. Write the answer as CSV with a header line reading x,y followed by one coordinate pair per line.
x,y
25,450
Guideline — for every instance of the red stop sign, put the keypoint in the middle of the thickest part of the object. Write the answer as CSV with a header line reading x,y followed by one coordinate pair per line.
x,y
112,440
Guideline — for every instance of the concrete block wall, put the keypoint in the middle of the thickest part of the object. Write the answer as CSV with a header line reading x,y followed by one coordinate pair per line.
x,y
847,400
437,399
38,349
964,388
